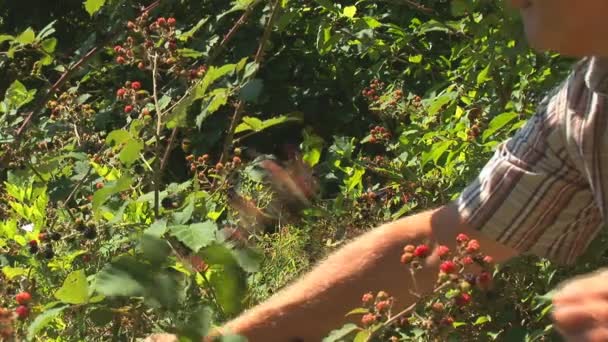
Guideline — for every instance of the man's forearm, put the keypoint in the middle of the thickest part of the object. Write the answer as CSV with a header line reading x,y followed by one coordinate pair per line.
x,y
317,303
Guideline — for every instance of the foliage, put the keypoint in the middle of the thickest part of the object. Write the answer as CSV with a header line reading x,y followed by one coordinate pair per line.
x,y
166,166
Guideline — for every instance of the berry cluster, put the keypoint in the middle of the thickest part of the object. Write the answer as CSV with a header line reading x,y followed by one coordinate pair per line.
x,y
379,134
452,296
155,40
23,299
88,230
150,37
47,238
373,91
473,132
68,107
200,166
137,100
379,307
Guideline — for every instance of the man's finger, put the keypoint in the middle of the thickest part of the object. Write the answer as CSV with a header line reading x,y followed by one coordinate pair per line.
x,y
161,338
594,335
572,319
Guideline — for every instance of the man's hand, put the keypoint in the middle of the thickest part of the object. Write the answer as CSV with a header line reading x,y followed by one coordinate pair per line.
x,y
581,308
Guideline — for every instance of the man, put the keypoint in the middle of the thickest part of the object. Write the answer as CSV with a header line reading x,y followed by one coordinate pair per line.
x,y
543,192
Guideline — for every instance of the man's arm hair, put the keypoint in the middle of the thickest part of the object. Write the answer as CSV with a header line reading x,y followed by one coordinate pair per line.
x,y
317,303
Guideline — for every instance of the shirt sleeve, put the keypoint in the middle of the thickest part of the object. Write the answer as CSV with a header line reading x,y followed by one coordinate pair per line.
x,y
530,196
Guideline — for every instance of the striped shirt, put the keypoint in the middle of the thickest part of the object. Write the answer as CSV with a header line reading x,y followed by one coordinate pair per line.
x,y
544,190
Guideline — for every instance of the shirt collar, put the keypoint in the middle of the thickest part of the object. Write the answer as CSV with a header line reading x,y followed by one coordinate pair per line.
x,y
596,76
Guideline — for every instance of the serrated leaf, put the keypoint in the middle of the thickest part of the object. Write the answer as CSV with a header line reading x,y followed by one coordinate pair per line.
x,y
130,152
342,333
128,277
93,6
75,289
218,98
497,123
154,249
121,278
249,259
12,272
157,229
42,320
102,195
196,235
255,124
229,284
118,136
198,324
178,117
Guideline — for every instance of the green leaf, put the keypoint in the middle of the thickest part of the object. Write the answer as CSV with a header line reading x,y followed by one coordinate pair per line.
x,y
257,125
17,95
178,117
482,319
130,152
5,37
251,90
157,229
439,102
483,77
12,272
198,324
497,123
362,336
249,259
357,311
48,45
218,98
372,22
436,151
42,320
121,278
93,6
75,289
342,333
355,179
416,59
349,11
183,216
154,249
190,53
190,33
46,31
229,284
196,235
312,147
26,37
249,123
102,195
118,137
